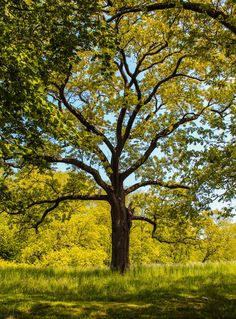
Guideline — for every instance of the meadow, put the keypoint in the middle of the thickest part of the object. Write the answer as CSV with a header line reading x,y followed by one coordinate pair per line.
x,y
163,291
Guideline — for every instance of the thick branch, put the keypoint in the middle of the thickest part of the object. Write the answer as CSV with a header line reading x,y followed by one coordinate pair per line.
x,y
95,197
121,140
157,183
210,10
89,127
184,241
109,3
171,76
162,134
119,128
123,109
50,209
131,121
160,61
153,50
158,237
148,99
58,200
145,219
123,75
133,76
97,177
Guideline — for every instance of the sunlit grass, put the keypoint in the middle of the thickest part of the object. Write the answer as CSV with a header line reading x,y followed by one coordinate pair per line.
x,y
166,291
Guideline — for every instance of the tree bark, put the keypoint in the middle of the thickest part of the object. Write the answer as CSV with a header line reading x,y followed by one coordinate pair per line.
x,y
121,224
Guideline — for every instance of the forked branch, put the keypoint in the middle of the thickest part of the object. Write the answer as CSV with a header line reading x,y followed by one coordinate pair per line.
x,y
88,126
162,134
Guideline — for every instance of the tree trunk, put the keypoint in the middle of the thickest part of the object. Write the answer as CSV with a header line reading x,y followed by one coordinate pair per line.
x,y
121,224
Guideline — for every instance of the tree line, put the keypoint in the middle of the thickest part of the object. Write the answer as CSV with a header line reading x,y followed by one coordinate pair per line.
x,y
78,234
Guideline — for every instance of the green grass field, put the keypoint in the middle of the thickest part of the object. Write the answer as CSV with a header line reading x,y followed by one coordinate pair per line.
x,y
174,291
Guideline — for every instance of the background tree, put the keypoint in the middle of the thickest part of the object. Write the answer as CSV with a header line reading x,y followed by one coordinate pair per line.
x,y
183,234
75,234
217,240
136,104
11,240
219,170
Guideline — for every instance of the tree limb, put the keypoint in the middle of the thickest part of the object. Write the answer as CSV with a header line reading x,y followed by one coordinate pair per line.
x,y
157,183
153,50
164,133
221,112
123,75
145,219
122,111
148,99
119,128
97,177
109,3
58,200
159,62
169,77
133,76
159,238
89,127
210,10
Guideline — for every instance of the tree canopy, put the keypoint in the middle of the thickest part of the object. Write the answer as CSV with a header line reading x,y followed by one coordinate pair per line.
x,y
124,91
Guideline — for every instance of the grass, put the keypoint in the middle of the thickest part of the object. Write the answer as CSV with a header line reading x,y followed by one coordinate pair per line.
x,y
173,291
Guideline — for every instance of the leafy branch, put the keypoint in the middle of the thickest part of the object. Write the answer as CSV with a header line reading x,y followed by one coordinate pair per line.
x,y
212,11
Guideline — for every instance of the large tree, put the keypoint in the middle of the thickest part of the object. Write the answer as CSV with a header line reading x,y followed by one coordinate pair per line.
x,y
132,94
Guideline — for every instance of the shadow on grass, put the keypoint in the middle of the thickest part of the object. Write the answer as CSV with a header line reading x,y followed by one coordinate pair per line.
x,y
178,300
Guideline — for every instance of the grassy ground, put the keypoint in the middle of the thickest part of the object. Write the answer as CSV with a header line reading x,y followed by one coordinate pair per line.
x,y
196,291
